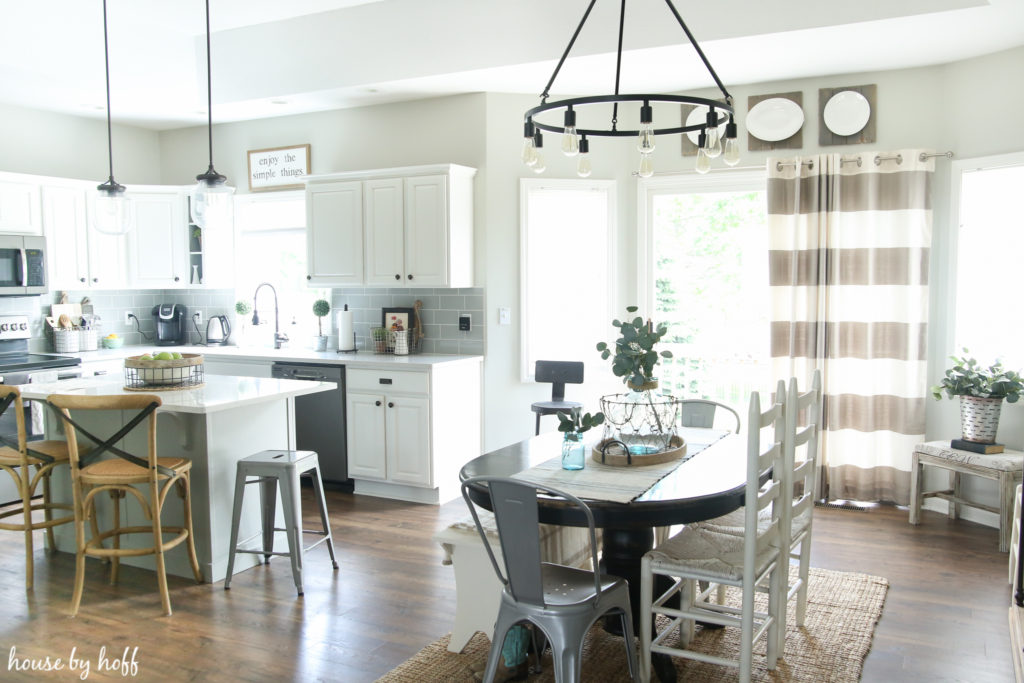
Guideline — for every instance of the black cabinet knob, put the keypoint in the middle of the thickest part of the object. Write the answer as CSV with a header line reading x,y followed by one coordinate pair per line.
x,y
410,277
95,279
390,404
309,277
377,403
81,279
176,278
397,276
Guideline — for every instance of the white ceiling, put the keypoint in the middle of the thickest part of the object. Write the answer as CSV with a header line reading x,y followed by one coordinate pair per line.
x,y
277,57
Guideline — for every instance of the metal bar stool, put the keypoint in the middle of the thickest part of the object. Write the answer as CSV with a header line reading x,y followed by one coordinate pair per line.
x,y
271,468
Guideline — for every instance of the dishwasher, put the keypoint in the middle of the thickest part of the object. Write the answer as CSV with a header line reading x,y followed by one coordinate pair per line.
x,y
320,420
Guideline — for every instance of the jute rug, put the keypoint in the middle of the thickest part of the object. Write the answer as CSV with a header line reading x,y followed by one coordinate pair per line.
x,y
842,610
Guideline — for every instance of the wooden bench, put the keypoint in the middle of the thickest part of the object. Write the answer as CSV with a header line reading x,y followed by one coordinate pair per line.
x,y
1005,468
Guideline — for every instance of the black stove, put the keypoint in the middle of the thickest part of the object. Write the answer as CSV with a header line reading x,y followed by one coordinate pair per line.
x,y
14,353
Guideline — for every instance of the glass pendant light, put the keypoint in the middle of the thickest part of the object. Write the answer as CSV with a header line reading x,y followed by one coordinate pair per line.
x,y
538,144
529,155
731,155
713,147
113,206
210,201
645,140
570,140
583,169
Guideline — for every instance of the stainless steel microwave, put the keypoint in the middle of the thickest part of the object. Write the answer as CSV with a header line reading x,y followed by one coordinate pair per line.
x,y
22,265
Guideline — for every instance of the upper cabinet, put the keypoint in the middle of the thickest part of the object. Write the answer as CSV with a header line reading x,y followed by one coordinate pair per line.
x,y
403,227
158,246
78,256
19,207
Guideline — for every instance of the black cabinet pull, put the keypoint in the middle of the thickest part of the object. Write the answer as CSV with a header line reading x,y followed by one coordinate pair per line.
x,y
390,404
377,403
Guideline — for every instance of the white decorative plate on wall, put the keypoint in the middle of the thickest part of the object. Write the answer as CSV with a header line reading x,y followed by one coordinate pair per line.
x,y
700,115
774,119
847,112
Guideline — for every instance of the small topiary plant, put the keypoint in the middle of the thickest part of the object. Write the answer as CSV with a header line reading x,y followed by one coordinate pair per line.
x,y
320,309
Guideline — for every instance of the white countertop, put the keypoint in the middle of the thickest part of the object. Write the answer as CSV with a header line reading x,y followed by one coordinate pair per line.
x,y
221,392
369,360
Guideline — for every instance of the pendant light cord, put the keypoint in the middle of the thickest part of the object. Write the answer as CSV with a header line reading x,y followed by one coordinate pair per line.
x,y
106,60
209,88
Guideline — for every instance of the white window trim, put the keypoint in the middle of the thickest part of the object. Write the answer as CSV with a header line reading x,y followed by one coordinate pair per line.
x,y
527,184
957,170
718,180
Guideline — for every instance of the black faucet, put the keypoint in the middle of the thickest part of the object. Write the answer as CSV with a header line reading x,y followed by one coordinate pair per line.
x,y
278,337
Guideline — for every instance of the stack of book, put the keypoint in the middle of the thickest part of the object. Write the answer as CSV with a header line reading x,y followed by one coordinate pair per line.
x,y
975,447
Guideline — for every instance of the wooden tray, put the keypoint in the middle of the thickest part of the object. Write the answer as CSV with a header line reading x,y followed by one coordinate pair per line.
x,y
676,451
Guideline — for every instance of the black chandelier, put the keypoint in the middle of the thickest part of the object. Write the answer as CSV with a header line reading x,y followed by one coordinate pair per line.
x,y
575,140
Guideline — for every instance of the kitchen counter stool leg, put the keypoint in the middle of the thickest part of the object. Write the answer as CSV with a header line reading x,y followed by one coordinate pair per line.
x,y
293,522
236,518
318,490
268,505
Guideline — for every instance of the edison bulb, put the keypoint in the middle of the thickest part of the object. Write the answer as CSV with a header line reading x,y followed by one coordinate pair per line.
x,y
529,155
570,142
646,166
703,164
731,155
713,145
645,140
583,169
539,166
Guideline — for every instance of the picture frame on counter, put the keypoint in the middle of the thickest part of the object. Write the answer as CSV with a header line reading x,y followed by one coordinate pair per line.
x,y
278,168
402,315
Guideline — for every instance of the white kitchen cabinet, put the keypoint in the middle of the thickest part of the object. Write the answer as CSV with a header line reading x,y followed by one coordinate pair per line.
x,y
334,233
79,256
410,431
19,207
158,244
416,225
236,366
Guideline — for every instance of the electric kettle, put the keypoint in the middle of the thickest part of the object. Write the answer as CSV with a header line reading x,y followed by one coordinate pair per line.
x,y
217,330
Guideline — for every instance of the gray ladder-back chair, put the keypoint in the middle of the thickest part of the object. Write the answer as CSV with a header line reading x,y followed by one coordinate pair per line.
x,y
558,373
561,602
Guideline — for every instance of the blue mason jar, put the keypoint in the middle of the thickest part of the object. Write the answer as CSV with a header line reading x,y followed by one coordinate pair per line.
x,y
573,451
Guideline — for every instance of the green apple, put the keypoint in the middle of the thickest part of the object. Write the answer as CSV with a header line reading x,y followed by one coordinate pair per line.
x,y
163,355
145,356
175,355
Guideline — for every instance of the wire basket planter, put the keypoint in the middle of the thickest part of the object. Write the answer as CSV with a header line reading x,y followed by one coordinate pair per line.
x,y
643,421
399,343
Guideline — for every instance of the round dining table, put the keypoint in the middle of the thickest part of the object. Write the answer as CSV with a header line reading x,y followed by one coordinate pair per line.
x,y
708,483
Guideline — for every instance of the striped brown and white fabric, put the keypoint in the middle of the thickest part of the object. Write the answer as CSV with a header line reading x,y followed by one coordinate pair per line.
x,y
848,252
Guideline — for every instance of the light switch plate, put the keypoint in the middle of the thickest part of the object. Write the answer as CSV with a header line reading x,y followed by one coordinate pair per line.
x,y
464,322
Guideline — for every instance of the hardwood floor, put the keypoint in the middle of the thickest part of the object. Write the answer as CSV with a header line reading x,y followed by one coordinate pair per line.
x,y
945,616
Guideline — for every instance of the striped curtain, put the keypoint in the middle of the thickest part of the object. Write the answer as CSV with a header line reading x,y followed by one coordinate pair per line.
x,y
848,252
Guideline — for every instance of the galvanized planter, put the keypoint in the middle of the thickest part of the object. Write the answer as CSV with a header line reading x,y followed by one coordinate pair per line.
x,y
979,418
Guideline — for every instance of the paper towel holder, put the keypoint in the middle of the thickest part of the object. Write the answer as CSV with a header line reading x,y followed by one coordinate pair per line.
x,y
343,341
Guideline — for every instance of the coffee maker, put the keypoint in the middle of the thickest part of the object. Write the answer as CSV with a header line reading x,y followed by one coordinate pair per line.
x,y
171,324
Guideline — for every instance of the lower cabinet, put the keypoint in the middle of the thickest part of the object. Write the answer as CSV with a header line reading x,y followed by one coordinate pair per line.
x,y
408,432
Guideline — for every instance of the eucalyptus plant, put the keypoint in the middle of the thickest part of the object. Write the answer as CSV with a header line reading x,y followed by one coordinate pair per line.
x,y
634,356
320,309
243,308
967,377
577,423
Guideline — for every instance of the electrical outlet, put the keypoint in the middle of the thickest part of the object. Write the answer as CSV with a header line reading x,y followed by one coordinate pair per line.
x,y
504,316
128,315
464,322
198,317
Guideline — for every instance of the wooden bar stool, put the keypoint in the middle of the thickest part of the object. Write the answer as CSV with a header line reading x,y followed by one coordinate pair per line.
x,y
270,469
120,476
18,459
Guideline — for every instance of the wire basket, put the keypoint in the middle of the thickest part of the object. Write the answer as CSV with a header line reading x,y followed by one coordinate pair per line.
x,y
66,341
87,340
399,343
161,375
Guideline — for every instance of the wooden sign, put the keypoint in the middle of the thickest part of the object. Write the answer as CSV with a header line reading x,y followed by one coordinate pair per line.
x,y
278,168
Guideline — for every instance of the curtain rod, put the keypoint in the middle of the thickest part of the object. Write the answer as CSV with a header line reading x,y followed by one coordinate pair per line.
x,y
898,158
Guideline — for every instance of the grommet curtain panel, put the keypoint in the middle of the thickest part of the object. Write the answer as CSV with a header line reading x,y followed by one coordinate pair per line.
x,y
848,269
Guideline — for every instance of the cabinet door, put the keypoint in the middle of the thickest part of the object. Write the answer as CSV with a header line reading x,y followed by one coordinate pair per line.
x,y
64,221
334,233
408,440
426,231
366,443
108,256
385,232
158,246
19,208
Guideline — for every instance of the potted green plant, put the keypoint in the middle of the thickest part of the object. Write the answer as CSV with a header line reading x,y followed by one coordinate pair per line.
x,y
634,356
573,427
242,311
982,391
321,308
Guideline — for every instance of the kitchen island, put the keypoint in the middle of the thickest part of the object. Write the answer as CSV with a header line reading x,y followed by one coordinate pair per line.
x,y
214,426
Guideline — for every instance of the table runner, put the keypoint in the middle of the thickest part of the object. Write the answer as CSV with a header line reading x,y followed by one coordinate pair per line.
x,y
615,484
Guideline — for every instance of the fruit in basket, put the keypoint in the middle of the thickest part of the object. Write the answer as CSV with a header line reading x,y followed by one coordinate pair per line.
x,y
163,355
145,356
175,355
